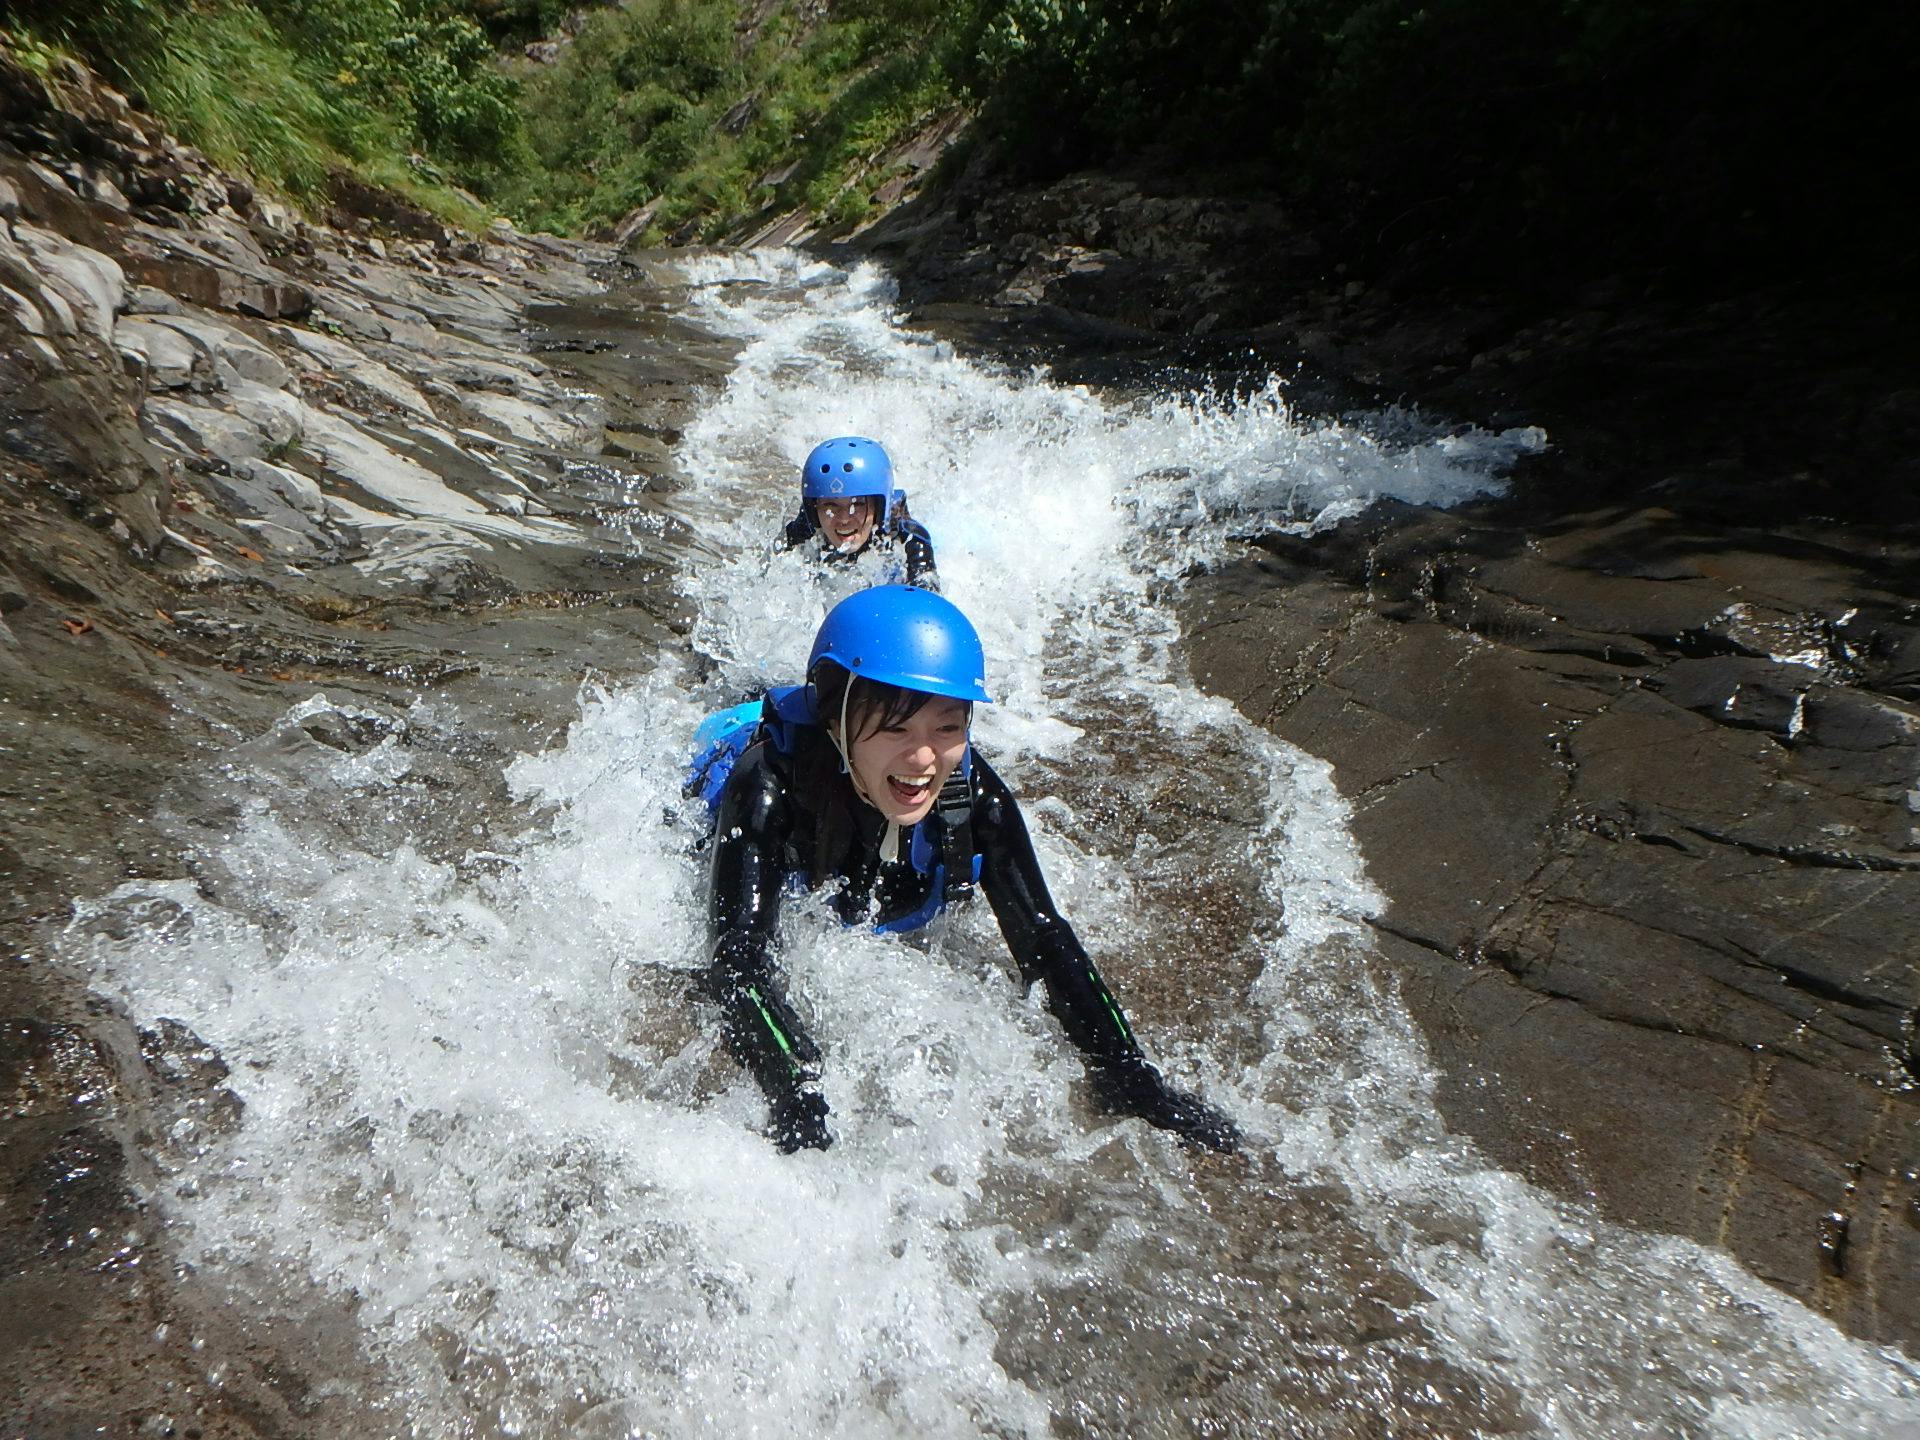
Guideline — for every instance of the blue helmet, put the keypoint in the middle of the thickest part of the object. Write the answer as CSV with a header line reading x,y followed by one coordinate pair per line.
x,y
899,635
850,465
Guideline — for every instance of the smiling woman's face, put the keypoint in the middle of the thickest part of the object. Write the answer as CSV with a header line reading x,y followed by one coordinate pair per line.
x,y
847,524
900,768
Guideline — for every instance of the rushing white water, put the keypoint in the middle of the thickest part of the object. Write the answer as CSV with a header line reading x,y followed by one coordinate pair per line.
x,y
480,1098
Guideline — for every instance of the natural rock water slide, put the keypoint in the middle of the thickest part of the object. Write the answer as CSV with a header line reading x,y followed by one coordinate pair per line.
x,y
394,1113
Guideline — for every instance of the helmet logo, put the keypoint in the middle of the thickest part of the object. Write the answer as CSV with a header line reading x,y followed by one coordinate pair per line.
x,y
838,487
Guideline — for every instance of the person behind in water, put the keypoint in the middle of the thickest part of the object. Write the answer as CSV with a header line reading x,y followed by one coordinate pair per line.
x,y
848,503
864,779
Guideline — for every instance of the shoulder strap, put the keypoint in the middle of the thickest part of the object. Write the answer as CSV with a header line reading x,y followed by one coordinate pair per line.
x,y
718,742
785,710
955,809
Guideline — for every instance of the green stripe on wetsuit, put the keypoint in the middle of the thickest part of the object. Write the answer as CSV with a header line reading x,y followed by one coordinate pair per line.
x,y
1113,1006
779,1035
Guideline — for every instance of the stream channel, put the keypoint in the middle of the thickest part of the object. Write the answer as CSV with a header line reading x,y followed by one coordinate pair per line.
x,y
480,1109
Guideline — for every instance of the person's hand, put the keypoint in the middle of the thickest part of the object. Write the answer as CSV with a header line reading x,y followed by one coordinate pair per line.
x,y
800,1122
1136,1088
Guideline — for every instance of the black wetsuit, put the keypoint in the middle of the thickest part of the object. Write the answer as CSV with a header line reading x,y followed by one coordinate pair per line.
x,y
764,833
901,532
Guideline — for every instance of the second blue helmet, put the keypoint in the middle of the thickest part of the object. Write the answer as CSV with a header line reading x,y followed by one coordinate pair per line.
x,y
898,635
849,465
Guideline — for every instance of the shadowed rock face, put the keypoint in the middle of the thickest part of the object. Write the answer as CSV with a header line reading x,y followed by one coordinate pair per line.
x,y
1642,795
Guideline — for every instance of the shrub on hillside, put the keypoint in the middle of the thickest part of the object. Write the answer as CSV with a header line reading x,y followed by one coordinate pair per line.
x,y
288,89
667,102
1697,130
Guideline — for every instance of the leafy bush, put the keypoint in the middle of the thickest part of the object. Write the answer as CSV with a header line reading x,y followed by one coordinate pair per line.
x,y
658,102
426,65
625,111
1549,130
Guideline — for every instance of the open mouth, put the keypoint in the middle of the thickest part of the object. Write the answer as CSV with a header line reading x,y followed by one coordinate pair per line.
x,y
910,792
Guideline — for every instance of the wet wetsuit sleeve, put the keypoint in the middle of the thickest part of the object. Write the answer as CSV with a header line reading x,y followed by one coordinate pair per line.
x,y
918,544
1048,950
751,827
799,531
1038,935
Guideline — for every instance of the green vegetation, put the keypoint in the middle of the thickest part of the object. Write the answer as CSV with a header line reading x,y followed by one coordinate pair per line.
x,y
1543,132
1552,134
404,93
662,101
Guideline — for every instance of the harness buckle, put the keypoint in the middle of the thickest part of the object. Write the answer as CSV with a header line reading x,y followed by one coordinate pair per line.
x,y
955,809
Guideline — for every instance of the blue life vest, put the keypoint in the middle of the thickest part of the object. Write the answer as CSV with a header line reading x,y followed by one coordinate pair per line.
x,y
722,738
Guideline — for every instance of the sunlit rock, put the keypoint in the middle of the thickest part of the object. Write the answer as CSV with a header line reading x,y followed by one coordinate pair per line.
x,y
233,353
167,358
355,367
92,284
423,556
581,426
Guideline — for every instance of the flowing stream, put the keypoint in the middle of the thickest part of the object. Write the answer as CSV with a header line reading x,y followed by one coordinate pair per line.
x,y
480,1105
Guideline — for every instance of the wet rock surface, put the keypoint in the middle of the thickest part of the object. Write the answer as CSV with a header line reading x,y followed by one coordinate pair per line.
x,y
1653,875
247,457
1634,752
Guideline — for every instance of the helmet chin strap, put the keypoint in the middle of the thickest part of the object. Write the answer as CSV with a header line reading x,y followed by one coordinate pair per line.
x,y
839,737
890,846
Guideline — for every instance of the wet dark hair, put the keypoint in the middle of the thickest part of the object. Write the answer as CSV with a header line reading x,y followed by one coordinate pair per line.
x,y
872,707
825,788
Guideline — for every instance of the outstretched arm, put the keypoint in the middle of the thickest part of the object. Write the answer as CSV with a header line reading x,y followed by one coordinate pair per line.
x,y
918,545
743,904
1047,950
1038,934
799,530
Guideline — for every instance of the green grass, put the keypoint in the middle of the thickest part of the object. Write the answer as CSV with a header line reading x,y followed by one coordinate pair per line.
x,y
421,186
399,93
654,101
225,85
637,110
